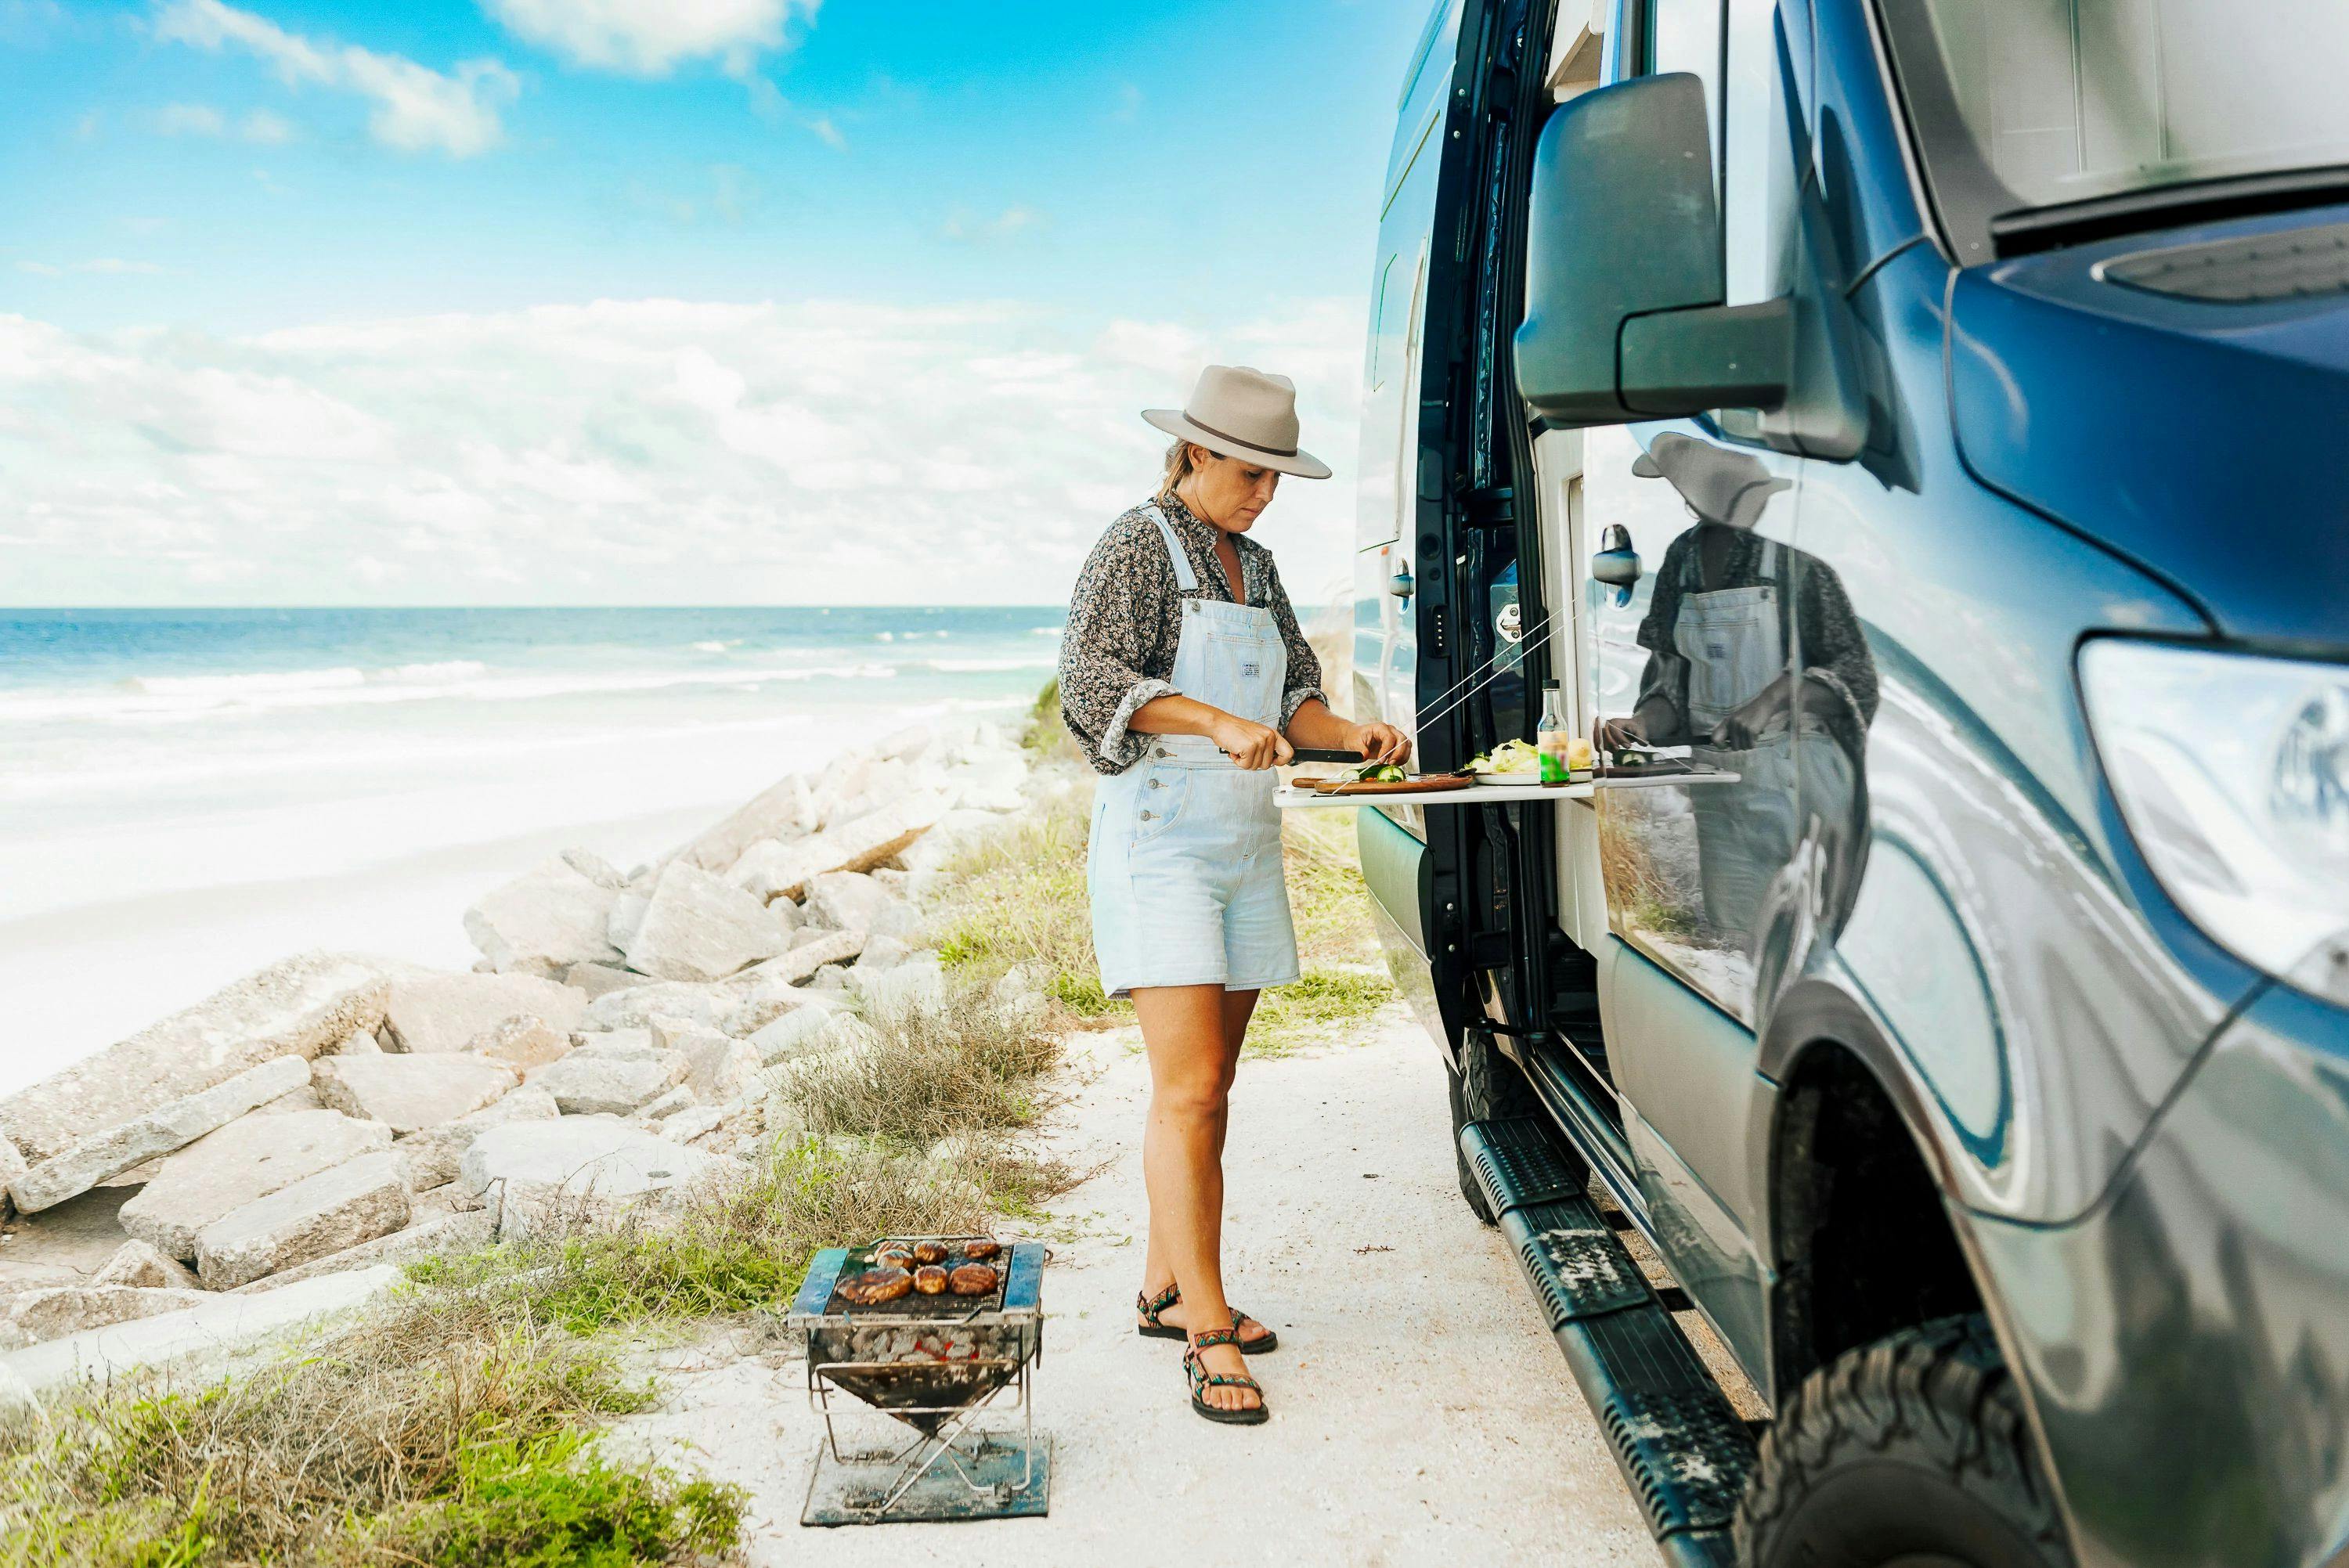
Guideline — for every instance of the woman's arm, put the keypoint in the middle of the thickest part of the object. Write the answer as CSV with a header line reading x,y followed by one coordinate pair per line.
x,y
1316,728
1250,744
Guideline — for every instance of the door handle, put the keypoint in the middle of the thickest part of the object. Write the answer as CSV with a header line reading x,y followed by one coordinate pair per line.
x,y
1616,564
1400,583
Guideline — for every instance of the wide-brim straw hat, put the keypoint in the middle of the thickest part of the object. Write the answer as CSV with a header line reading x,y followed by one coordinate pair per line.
x,y
1244,414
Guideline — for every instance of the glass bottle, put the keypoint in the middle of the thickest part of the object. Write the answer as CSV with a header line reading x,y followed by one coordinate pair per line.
x,y
1554,739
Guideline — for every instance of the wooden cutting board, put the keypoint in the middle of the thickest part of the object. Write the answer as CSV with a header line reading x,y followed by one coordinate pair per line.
x,y
1424,783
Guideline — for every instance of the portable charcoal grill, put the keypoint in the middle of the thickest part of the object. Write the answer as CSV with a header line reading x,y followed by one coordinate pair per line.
x,y
932,1362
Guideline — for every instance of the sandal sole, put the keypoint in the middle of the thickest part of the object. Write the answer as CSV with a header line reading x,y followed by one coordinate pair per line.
x,y
1254,1417
1269,1341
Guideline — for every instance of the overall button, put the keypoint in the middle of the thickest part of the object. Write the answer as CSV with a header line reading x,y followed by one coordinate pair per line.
x,y
1145,815
1158,783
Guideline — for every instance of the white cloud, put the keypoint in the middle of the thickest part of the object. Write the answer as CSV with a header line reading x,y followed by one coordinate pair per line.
x,y
652,37
1007,224
111,266
417,108
260,126
649,450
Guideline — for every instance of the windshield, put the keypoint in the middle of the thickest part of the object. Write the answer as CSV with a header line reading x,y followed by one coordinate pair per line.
x,y
2037,103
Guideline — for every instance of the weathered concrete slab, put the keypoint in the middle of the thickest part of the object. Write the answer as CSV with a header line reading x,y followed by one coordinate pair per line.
x,y
853,900
249,1158
548,1176
543,922
222,1325
640,1004
298,1008
144,1266
585,1085
408,1092
667,1103
84,1165
699,928
798,1032
717,1069
428,1159
785,810
856,845
593,980
450,1012
353,1202
12,1165
35,1315
437,1236
803,961
523,1043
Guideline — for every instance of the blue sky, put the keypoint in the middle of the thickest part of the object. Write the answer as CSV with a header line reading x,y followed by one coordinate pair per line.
x,y
333,219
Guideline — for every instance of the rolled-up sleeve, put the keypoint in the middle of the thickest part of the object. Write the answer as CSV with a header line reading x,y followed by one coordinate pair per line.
x,y
1303,682
1109,646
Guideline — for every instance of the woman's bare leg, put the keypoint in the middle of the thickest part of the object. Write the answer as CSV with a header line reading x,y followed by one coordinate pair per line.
x,y
1157,1273
1192,1056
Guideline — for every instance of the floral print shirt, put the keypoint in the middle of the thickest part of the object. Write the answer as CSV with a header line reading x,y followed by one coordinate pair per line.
x,y
1125,619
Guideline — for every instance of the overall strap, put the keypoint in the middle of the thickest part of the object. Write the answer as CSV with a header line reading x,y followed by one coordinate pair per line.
x,y
1185,578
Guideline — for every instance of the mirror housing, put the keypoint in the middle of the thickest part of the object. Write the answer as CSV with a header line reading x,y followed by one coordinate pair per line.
x,y
1623,269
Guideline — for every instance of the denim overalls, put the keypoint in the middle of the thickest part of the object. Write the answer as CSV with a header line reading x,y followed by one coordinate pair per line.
x,y
1185,864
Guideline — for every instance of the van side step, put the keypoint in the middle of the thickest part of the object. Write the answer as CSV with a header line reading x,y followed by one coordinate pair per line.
x,y
1682,1448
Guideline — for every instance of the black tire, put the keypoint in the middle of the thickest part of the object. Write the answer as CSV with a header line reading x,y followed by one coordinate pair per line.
x,y
1911,1452
1487,1087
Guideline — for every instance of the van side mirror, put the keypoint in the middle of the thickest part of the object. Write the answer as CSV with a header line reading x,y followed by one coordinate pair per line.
x,y
1624,318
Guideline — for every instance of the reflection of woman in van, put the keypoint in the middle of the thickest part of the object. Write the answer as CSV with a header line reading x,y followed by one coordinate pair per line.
x,y
1732,611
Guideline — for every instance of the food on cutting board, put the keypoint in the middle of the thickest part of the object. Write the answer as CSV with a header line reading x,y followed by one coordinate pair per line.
x,y
930,1280
972,1279
1513,758
874,1288
979,1251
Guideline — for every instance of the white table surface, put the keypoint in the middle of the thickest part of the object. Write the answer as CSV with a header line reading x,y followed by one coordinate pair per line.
x,y
1290,797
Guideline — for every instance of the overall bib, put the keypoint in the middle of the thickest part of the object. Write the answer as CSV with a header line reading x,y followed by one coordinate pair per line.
x,y
1734,641
1184,865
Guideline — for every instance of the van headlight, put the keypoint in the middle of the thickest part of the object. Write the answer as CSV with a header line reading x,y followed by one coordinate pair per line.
x,y
2233,774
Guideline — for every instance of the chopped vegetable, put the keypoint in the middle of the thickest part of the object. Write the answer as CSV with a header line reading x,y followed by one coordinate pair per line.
x,y
1509,756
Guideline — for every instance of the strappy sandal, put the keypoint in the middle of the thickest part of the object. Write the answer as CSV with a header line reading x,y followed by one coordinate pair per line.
x,y
1150,1327
1202,1380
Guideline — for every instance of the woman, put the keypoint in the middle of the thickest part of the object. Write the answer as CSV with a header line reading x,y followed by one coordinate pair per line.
x,y
1184,674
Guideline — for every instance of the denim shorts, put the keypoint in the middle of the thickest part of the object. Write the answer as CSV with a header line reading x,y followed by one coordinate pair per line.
x,y
1186,882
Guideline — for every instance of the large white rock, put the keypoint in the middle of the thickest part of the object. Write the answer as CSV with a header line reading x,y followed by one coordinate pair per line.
x,y
853,900
543,922
450,1012
856,845
593,980
173,1127
408,1092
699,928
796,1034
249,1158
948,839
428,1159
717,1069
638,1006
298,1008
803,961
59,1310
546,1176
436,1236
220,1326
144,1266
523,1043
320,1214
585,1085
785,810
12,1166
854,787
626,914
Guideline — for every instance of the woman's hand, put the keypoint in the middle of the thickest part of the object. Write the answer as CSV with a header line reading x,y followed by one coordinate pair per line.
x,y
1377,743
1614,734
1252,746
1745,724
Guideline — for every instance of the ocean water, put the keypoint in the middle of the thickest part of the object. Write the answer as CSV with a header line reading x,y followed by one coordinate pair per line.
x,y
187,796
147,750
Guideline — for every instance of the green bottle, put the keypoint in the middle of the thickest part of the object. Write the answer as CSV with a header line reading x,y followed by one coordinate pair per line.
x,y
1555,737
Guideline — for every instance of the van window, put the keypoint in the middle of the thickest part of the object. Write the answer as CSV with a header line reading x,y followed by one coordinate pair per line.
x,y
1688,35
1762,163
2038,103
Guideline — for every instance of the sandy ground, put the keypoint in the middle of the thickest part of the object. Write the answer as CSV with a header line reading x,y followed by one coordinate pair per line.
x,y
1420,1412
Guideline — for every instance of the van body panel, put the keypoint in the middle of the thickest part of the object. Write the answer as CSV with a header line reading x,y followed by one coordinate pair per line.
x,y
2185,1344
2211,469
1705,1246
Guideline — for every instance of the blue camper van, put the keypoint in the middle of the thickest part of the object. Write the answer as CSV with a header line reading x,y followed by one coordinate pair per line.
x,y
1911,435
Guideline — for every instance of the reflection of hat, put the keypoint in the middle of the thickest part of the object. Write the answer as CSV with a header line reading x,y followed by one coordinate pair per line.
x,y
1720,484
1244,414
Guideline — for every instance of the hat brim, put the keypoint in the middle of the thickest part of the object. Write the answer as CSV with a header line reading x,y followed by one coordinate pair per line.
x,y
1304,464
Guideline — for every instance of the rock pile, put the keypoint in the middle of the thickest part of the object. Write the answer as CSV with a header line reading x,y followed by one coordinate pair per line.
x,y
619,1042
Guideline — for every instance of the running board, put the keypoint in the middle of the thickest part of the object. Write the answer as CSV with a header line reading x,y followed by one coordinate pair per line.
x,y
1684,1452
